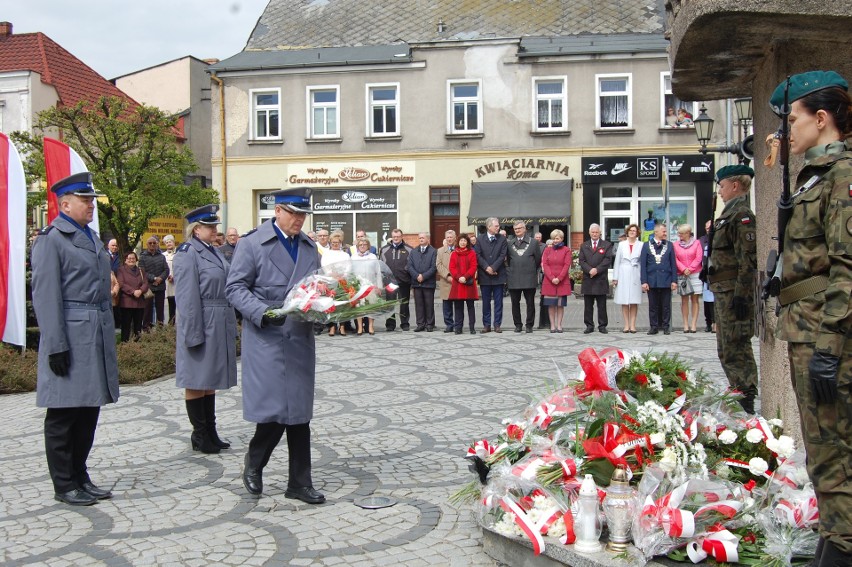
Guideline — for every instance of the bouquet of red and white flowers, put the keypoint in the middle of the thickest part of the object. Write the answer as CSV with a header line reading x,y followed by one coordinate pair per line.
x,y
342,291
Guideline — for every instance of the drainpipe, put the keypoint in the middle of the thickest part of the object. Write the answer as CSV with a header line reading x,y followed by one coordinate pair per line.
x,y
221,84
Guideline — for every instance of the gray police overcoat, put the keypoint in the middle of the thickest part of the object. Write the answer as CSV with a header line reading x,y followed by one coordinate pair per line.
x,y
71,297
278,363
206,349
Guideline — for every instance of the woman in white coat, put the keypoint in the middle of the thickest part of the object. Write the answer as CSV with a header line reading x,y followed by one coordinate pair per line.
x,y
627,278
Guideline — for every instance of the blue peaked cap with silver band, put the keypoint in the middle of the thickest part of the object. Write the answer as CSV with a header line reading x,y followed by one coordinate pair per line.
x,y
296,199
77,184
203,215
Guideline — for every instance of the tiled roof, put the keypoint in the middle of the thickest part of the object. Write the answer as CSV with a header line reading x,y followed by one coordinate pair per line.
x,y
326,23
73,80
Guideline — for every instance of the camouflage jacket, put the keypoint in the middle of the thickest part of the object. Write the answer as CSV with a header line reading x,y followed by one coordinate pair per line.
x,y
734,258
818,241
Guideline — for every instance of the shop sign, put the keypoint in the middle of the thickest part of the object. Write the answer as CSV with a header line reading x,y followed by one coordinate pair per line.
x,y
325,200
521,168
341,174
642,168
526,220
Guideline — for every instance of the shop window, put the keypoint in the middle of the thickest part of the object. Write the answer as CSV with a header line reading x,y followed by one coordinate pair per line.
x,y
265,114
465,107
614,101
675,113
550,96
324,105
383,110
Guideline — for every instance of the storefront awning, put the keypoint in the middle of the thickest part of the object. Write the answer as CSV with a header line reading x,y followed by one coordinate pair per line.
x,y
544,202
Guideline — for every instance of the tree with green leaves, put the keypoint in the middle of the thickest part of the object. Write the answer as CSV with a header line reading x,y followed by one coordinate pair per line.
x,y
135,156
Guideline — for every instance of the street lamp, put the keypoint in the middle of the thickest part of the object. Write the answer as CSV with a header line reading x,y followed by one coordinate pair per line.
x,y
744,148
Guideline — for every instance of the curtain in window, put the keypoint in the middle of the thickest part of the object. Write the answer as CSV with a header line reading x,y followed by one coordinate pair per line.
x,y
613,111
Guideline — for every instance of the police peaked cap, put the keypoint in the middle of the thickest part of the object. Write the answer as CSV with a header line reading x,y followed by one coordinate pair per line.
x,y
77,184
204,215
296,199
733,171
802,85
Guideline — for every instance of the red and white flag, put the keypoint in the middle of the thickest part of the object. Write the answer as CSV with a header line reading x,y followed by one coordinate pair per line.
x,y
60,161
13,239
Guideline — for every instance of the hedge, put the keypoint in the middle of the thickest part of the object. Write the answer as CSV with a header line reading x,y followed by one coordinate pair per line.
x,y
149,358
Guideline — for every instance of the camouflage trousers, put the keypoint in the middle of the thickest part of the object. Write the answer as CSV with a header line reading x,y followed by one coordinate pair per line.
x,y
733,343
827,433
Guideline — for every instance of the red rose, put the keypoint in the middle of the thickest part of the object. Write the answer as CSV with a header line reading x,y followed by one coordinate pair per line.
x,y
750,485
682,375
641,379
678,392
515,432
750,538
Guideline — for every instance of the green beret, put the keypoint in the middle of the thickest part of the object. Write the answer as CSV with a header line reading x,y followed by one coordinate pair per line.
x,y
803,84
733,170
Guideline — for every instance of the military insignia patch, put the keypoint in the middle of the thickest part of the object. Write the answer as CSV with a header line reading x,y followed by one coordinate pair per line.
x,y
746,220
184,247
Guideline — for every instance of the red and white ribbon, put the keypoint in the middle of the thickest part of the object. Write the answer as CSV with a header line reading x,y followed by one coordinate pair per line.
x,y
798,514
531,530
721,546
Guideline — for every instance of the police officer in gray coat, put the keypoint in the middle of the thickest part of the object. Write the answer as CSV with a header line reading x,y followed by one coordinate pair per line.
x,y
278,354
77,365
206,349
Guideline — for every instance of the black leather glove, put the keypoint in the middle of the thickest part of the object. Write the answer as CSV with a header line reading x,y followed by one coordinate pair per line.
x,y
268,320
60,363
822,370
739,305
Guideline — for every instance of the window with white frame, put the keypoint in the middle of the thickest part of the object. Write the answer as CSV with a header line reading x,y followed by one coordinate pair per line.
x,y
383,110
614,101
324,108
551,101
465,106
266,114
675,113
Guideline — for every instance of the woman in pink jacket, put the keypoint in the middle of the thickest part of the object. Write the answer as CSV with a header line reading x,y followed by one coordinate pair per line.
x,y
688,256
555,285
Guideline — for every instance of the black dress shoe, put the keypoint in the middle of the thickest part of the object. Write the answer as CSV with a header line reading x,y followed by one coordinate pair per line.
x,y
653,332
708,329
485,330
98,493
529,329
448,330
472,331
588,330
252,478
429,328
306,494
75,497
603,330
419,329
405,327
519,329
458,331
666,332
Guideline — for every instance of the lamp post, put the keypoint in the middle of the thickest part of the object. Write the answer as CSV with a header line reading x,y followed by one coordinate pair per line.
x,y
744,148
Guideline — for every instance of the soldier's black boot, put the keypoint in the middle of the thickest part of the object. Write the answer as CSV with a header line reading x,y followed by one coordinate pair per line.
x,y
817,553
833,557
200,438
747,401
210,415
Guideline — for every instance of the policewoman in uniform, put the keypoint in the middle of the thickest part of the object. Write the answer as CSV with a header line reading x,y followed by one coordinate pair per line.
x,y
206,351
77,365
278,354
816,282
731,273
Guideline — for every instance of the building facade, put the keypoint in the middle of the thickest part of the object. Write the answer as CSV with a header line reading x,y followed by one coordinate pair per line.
x,y
447,129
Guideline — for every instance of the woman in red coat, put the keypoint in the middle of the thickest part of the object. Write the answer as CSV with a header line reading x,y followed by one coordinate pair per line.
x,y
463,271
555,285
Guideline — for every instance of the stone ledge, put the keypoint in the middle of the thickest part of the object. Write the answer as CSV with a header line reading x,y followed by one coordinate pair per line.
x,y
518,552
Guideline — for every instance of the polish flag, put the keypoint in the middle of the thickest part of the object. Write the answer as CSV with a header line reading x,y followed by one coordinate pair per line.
x,y
13,238
60,161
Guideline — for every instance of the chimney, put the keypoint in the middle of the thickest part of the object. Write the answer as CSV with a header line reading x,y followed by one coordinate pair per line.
x,y
5,29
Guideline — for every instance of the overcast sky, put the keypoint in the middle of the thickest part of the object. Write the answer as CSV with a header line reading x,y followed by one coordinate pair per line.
x,y
116,37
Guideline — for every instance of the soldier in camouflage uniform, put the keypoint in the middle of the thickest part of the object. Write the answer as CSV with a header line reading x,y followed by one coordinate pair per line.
x,y
815,295
733,263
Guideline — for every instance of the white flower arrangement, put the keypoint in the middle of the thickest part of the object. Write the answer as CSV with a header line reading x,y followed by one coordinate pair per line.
x,y
655,382
757,466
784,446
728,437
755,436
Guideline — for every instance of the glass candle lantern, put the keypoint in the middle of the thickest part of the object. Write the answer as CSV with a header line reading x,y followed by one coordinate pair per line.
x,y
619,506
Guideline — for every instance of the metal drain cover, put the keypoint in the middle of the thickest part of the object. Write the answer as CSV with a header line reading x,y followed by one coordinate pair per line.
x,y
375,502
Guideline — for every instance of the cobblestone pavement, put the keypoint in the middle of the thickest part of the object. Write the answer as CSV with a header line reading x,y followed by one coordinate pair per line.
x,y
394,415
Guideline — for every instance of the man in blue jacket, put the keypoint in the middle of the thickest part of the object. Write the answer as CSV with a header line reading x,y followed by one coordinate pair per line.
x,y
659,279
491,250
422,269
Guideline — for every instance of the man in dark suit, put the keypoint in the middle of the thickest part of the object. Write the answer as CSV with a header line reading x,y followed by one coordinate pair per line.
x,y
422,269
491,250
595,260
659,279
524,261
